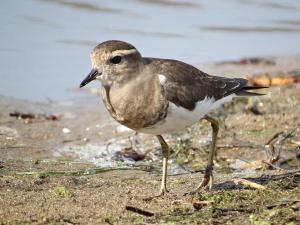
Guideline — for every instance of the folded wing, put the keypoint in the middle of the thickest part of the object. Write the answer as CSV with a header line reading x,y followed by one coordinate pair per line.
x,y
185,85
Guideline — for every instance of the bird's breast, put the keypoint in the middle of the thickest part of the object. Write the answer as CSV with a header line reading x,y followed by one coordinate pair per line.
x,y
136,105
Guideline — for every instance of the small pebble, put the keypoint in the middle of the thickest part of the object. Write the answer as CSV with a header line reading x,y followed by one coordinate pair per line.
x,y
66,130
86,139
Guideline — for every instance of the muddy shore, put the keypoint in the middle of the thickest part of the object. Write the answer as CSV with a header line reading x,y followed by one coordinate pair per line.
x,y
71,168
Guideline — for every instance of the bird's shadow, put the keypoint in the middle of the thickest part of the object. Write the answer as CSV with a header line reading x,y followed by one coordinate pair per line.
x,y
292,178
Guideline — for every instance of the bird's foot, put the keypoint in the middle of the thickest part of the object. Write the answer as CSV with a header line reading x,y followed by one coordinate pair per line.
x,y
161,193
207,180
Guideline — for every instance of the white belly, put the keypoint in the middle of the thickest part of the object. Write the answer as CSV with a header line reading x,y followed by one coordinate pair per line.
x,y
179,118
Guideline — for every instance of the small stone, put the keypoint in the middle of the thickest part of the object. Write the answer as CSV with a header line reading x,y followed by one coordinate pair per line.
x,y
122,129
66,130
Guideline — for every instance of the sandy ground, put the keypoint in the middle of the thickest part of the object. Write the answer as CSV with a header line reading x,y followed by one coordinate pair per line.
x,y
48,172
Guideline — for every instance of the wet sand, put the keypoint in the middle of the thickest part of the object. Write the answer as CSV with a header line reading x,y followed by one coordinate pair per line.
x,y
48,172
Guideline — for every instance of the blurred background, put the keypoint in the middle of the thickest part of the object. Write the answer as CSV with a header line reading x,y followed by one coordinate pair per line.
x,y
45,44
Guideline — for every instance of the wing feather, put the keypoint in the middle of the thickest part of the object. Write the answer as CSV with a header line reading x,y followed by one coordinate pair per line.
x,y
185,85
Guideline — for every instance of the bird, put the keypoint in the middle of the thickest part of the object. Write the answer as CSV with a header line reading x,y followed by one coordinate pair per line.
x,y
161,96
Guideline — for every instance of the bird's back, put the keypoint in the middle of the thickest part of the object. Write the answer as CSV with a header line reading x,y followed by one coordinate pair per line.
x,y
186,85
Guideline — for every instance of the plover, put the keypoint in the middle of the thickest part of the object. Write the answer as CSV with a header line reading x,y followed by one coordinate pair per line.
x,y
160,96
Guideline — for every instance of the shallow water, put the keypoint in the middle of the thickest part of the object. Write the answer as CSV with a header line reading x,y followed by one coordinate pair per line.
x,y
45,44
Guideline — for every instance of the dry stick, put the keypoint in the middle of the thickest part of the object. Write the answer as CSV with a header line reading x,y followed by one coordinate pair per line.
x,y
226,210
240,146
248,183
139,211
271,143
21,115
289,135
201,204
283,203
273,137
271,165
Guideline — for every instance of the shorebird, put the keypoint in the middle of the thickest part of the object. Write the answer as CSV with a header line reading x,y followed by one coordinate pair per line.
x,y
160,96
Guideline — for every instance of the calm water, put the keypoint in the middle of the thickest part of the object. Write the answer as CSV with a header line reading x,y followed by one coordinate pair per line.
x,y
45,44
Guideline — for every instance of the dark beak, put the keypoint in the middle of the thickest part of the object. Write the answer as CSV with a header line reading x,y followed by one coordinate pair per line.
x,y
90,77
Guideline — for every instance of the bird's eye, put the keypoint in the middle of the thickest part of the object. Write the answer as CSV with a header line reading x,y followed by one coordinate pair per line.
x,y
116,59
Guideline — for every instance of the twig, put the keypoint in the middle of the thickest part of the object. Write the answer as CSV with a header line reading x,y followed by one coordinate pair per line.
x,y
139,211
278,138
240,146
31,116
288,135
225,210
201,204
272,165
283,203
248,183
274,137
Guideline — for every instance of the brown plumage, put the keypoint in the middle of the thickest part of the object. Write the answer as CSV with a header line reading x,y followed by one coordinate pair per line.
x,y
160,96
186,85
114,45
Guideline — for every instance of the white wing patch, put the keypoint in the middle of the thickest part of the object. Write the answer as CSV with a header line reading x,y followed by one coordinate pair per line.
x,y
162,79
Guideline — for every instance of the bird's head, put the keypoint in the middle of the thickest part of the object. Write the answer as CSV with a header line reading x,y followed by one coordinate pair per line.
x,y
113,62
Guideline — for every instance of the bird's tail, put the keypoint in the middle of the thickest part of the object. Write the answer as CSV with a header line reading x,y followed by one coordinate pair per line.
x,y
246,91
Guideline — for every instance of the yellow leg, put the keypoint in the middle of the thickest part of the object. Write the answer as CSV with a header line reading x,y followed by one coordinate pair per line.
x,y
208,175
165,152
